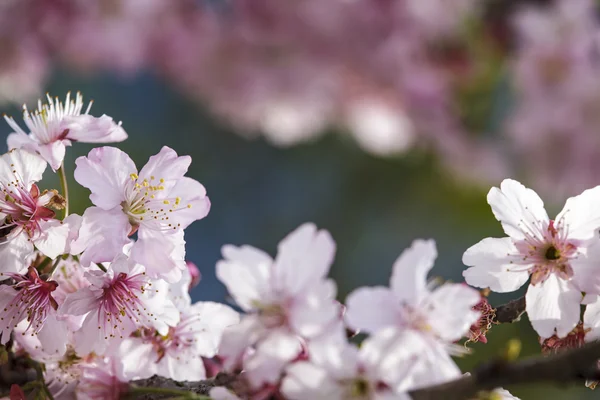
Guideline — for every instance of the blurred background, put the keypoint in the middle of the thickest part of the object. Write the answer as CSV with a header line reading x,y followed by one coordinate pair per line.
x,y
380,120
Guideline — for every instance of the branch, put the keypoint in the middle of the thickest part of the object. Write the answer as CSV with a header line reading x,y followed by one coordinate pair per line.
x,y
200,387
572,366
511,311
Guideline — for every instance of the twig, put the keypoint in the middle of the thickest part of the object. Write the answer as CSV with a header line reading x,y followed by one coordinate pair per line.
x,y
572,366
511,311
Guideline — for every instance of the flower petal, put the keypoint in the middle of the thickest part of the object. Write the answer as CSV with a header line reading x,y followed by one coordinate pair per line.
x,y
553,307
86,128
21,166
166,165
105,171
591,320
102,235
581,215
519,209
450,310
156,251
304,257
246,272
495,264
371,309
409,276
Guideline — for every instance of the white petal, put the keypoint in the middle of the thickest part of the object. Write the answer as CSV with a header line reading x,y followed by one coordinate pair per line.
x,y
303,258
166,165
433,366
89,129
494,263
553,307
591,320
105,171
89,338
246,272
519,209
15,255
102,235
53,152
338,358
409,276
79,302
237,338
316,311
306,381
154,250
581,215
212,320
586,269
272,354
135,359
371,309
185,366
54,336
449,310
54,238
21,166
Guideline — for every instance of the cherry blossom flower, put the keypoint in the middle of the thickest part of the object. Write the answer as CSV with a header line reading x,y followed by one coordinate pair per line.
x,y
55,125
158,203
286,299
30,298
440,316
117,303
178,354
25,217
552,252
336,370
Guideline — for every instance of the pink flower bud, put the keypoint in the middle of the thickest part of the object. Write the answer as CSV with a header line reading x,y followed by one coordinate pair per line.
x,y
195,273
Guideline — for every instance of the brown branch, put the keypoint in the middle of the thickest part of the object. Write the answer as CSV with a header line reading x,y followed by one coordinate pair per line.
x,y
572,366
511,311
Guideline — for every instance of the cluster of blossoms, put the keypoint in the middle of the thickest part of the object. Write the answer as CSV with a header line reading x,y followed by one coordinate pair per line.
x,y
101,299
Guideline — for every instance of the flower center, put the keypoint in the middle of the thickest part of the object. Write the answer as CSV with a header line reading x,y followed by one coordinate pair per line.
x,y
146,203
552,253
24,208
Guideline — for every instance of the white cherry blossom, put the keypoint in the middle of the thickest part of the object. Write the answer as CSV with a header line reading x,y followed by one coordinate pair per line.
x,y
55,125
287,299
336,370
440,316
552,252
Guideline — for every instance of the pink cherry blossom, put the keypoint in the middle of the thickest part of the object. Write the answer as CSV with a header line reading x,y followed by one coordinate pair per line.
x,y
440,316
552,252
25,217
286,299
158,203
54,125
117,303
30,298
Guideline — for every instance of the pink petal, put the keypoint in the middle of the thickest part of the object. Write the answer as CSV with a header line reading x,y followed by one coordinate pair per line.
x,y
105,171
